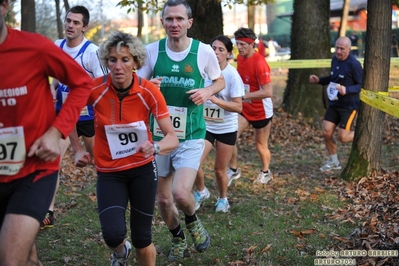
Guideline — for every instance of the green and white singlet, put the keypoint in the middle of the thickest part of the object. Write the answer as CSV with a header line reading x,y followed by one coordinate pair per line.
x,y
178,78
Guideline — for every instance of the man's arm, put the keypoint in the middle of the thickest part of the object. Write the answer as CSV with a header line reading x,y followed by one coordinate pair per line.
x,y
199,96
266,91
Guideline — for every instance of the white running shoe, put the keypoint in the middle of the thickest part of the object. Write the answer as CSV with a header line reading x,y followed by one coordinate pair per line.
x,y
122,261
233,175
200,197
330,165
264,178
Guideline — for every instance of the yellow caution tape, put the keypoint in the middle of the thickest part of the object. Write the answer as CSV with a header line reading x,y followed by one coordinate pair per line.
x,y
380,101
314,63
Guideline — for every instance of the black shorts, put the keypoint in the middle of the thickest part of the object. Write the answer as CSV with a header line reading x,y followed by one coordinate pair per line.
x,y
341,117
85,128
226,138
260,123
28,197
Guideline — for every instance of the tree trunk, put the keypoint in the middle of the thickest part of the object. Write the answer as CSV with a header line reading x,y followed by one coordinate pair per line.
x,y
66,5
140,20
208,19
344,18
365,155
251,17
310,37
28,15
60,29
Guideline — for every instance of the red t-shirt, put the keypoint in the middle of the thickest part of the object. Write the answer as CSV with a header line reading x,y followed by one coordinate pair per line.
x,y
262,48
254,72
28,60
111,114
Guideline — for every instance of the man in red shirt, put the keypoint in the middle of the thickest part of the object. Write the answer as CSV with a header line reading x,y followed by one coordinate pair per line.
x,y
30,133
257,106
262,47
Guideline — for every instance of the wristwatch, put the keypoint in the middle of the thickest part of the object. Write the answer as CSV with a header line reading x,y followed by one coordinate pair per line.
x,y
157,149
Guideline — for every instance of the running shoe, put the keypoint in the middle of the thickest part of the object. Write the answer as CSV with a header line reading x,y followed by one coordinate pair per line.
x,y
222,205
199,235
233,175
330,165
48,221
179,249
122,261
263,178
200,197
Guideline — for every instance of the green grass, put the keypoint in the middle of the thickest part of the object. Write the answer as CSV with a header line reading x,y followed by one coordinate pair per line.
x,y
256,231
282,223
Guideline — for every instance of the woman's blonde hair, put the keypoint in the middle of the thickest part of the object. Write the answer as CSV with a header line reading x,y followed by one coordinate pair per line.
x,y
120,39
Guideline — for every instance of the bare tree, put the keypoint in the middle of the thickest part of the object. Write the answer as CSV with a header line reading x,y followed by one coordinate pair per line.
x,y
66,5
140,21
28,15
365,155
60,28
344,18
45,15
10,16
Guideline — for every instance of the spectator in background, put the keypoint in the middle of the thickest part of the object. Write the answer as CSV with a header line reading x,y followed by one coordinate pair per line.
x,y
30,134
344,85
262,47
354,48
394,45
272,47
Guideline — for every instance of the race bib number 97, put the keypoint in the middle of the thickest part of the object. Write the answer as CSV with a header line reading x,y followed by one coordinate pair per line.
x,y
12,150
125,139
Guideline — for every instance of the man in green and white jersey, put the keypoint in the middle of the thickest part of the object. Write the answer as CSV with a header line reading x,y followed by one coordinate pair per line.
x,y
178,64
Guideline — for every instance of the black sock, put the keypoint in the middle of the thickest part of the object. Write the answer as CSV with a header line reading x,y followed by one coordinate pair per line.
x,y
265,172
51,213
177,232
234,169
190,219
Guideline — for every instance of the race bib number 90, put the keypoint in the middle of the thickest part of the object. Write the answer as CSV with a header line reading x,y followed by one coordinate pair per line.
x,y
125,139
12,150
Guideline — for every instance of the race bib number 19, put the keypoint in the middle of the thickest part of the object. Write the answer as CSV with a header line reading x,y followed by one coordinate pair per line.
x,y
12,150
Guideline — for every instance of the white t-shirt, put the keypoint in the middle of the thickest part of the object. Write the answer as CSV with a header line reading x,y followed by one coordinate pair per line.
x,y
89,61
206,60
234,88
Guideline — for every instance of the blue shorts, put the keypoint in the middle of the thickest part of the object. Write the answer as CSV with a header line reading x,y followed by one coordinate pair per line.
x,y
187,154
28,197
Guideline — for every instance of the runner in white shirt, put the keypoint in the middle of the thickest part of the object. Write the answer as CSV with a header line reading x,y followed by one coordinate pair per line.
x,y
221,116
